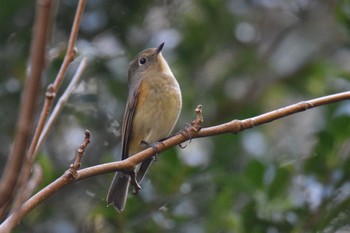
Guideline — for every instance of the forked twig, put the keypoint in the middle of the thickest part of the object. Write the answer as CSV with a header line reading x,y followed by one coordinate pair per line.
x,y
61,103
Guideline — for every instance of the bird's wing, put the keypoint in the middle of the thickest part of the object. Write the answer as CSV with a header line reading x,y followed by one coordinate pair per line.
x,y
128,118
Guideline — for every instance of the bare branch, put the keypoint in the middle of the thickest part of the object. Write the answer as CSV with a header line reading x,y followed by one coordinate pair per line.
x,y
28,189
197,124
35,180
233,126
70,54
28,104
76,165
61,103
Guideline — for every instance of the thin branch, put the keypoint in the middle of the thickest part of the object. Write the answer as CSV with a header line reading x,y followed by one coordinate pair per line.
x,y
234,126
70,54
28,104
76,165
28,189
61,103
35,180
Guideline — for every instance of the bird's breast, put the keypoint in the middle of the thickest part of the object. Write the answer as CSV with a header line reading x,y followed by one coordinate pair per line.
x,y
158,108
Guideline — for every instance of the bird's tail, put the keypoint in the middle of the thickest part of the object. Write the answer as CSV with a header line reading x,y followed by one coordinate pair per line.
x,y
118,191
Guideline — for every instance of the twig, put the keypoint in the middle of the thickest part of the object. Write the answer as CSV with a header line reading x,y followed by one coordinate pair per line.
x,y
195,126
61,103
233,126
197,123
35,180
76,165
28,104
70,50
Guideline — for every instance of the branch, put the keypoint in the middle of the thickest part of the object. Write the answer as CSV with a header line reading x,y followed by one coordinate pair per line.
x,y
61,103
76,165
232,127
50,96
70,54
195,131
28,104
29,188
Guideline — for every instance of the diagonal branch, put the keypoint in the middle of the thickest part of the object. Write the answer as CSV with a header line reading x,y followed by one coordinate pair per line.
x,y
70,54
61,103
234,126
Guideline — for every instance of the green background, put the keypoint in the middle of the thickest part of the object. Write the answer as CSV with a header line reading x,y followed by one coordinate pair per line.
x,y
238,59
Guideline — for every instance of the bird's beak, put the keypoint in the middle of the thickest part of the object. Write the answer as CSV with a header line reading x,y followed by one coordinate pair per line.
x,y
160,47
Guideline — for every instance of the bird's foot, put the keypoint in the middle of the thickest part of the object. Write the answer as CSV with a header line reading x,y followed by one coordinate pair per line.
x,y
154,147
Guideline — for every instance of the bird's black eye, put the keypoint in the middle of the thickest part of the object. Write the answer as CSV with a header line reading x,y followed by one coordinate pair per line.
x,y
142,61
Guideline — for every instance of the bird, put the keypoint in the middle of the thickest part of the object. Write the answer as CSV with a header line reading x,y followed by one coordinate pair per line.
x,y
153,107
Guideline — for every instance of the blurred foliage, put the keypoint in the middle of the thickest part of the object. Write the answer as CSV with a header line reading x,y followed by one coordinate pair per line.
x,y
238,59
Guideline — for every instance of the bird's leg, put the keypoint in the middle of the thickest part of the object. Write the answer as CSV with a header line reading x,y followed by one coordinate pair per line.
x,y
136,178
146,164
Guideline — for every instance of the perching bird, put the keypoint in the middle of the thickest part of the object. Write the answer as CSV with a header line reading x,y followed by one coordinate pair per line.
x,y
152,110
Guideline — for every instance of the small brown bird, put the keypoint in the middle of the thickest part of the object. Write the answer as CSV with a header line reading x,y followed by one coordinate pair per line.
x,y
153,107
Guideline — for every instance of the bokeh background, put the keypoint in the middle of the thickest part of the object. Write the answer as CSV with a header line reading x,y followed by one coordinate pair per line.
x,y
238,59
